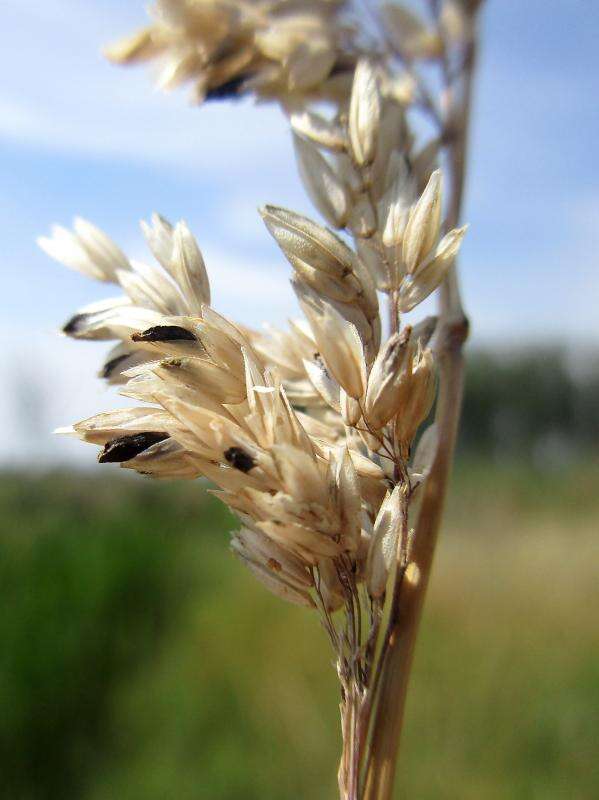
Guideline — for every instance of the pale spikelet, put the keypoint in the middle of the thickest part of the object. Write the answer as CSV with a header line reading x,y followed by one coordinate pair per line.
x,y
338,342
362,218
386,376
159,236
166,459
429,274
110,319
148,291
351,412
327,265
383,551
326,386
327,192
417,394
364,113
372,442
278,570
285,350
375,261
261,548
423,332
178,253
101,428
138,47
348,499
294,376
303,46
409,34
411,235
393,141
424,223
319,130
178,287
306,542
88,250
188,268
226,49
329,585
196,373
119,359
223,340
398,201
324,427
456,22
306,243
300,474
349,173
424,456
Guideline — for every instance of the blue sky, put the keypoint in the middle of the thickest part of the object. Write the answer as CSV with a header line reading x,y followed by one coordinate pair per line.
x,y
78,136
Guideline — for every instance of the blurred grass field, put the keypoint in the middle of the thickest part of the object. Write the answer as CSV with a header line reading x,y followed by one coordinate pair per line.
x,y
139,661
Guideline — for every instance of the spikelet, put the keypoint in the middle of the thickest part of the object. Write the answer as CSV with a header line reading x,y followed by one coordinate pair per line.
x,y
383,549
417,395
325,264
364,114
227,49
328,193
409,33
388,372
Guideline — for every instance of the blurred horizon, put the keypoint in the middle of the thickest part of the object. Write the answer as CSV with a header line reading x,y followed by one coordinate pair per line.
x,y
80,137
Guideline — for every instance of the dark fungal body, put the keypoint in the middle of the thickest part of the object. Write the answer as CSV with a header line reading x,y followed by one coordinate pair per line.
x,y
239,459
111,366
164,333
127,447
229,90
74,325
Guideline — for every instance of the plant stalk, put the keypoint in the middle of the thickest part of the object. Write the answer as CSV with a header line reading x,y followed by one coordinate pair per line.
x,y
410,589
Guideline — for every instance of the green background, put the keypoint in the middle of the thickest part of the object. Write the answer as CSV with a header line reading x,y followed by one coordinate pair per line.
x,y
139,661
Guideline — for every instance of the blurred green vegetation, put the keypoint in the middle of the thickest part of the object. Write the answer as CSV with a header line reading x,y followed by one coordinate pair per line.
x,y
538,404
139,661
